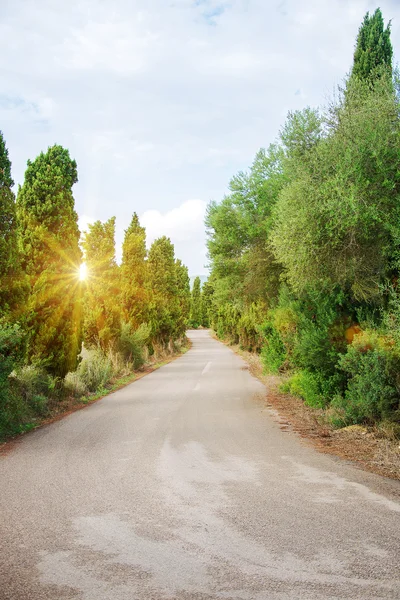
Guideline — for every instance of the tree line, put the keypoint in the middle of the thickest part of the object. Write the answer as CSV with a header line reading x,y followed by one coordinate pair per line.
x,y
121,313
305,248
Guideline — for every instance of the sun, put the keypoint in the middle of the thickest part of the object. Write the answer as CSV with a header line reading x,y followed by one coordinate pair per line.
x,y
83,272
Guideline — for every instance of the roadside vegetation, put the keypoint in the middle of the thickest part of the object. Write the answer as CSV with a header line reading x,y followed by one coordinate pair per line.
x,y
64,335
305,248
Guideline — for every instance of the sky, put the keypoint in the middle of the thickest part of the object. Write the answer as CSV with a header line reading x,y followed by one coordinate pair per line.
x,y
161,102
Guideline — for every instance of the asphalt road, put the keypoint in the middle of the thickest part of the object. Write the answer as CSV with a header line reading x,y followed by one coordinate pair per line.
x,y
183,486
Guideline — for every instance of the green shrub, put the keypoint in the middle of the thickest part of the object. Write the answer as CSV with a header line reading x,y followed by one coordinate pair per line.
x,y
273,352
132,344
307,386
95,370
74,384
372,364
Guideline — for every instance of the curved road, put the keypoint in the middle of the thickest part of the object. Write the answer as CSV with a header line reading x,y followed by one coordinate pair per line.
x,y
183,486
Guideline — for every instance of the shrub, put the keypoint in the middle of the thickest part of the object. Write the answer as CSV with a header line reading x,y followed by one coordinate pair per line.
x,y
74,384
372,364
95,370
307,386
273,352
132,344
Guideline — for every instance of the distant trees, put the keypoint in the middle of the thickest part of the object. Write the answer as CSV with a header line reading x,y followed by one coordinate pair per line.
x,y
195,304
50,257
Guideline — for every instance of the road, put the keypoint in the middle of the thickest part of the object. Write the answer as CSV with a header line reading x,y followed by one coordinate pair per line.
x,y
183,486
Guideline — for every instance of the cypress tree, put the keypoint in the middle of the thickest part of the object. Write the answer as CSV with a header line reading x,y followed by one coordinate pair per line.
x,y
374,49
50,254
11,279
133,270
183,284
195,304
102,324
163,291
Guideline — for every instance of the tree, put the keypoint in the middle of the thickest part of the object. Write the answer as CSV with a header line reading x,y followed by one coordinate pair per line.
x,y
336,223
50,255
11,279
195,304
206,301
374,51
134,299
183,286
102,323
163,291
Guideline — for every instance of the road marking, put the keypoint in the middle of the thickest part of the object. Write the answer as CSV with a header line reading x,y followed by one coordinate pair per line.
x,y
206,368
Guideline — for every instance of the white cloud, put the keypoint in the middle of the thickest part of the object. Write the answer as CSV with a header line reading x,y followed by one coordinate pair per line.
x,y
163,101
184,226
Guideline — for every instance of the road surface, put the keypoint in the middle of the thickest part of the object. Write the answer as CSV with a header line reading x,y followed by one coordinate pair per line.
x,y
183,486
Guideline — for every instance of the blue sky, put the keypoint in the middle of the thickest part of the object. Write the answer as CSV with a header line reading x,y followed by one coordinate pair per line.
x,y
162,101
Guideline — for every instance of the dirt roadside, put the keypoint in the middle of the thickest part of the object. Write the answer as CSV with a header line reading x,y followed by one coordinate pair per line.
x,y
369,448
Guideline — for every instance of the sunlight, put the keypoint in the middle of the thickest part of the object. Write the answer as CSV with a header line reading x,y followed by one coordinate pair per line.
x,y
83,272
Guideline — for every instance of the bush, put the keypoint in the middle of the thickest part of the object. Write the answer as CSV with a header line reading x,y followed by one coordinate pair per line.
x,y
372,364
307,386
74,384
132,344
95,370
273,353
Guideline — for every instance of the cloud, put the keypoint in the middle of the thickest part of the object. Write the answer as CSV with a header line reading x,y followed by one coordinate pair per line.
x,y
184,226
161,101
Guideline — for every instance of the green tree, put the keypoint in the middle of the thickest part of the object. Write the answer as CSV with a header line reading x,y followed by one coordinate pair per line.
x,y
336,222
50,254
183,286
134,298
11,278
195,304
206,303
163,291
373,52
102,322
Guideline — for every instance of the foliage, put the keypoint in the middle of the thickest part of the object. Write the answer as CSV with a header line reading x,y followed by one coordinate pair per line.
x,y
12,288
132,343
195,304
206,303
306,385
333,224
49,241
184,297
134,297
162,285
102,321
374,47
373,390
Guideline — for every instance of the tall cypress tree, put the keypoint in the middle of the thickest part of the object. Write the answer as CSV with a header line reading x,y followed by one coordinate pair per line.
x,y
374,49
183,284
195,304
133,269
11,279
49,241
163,291
102,323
